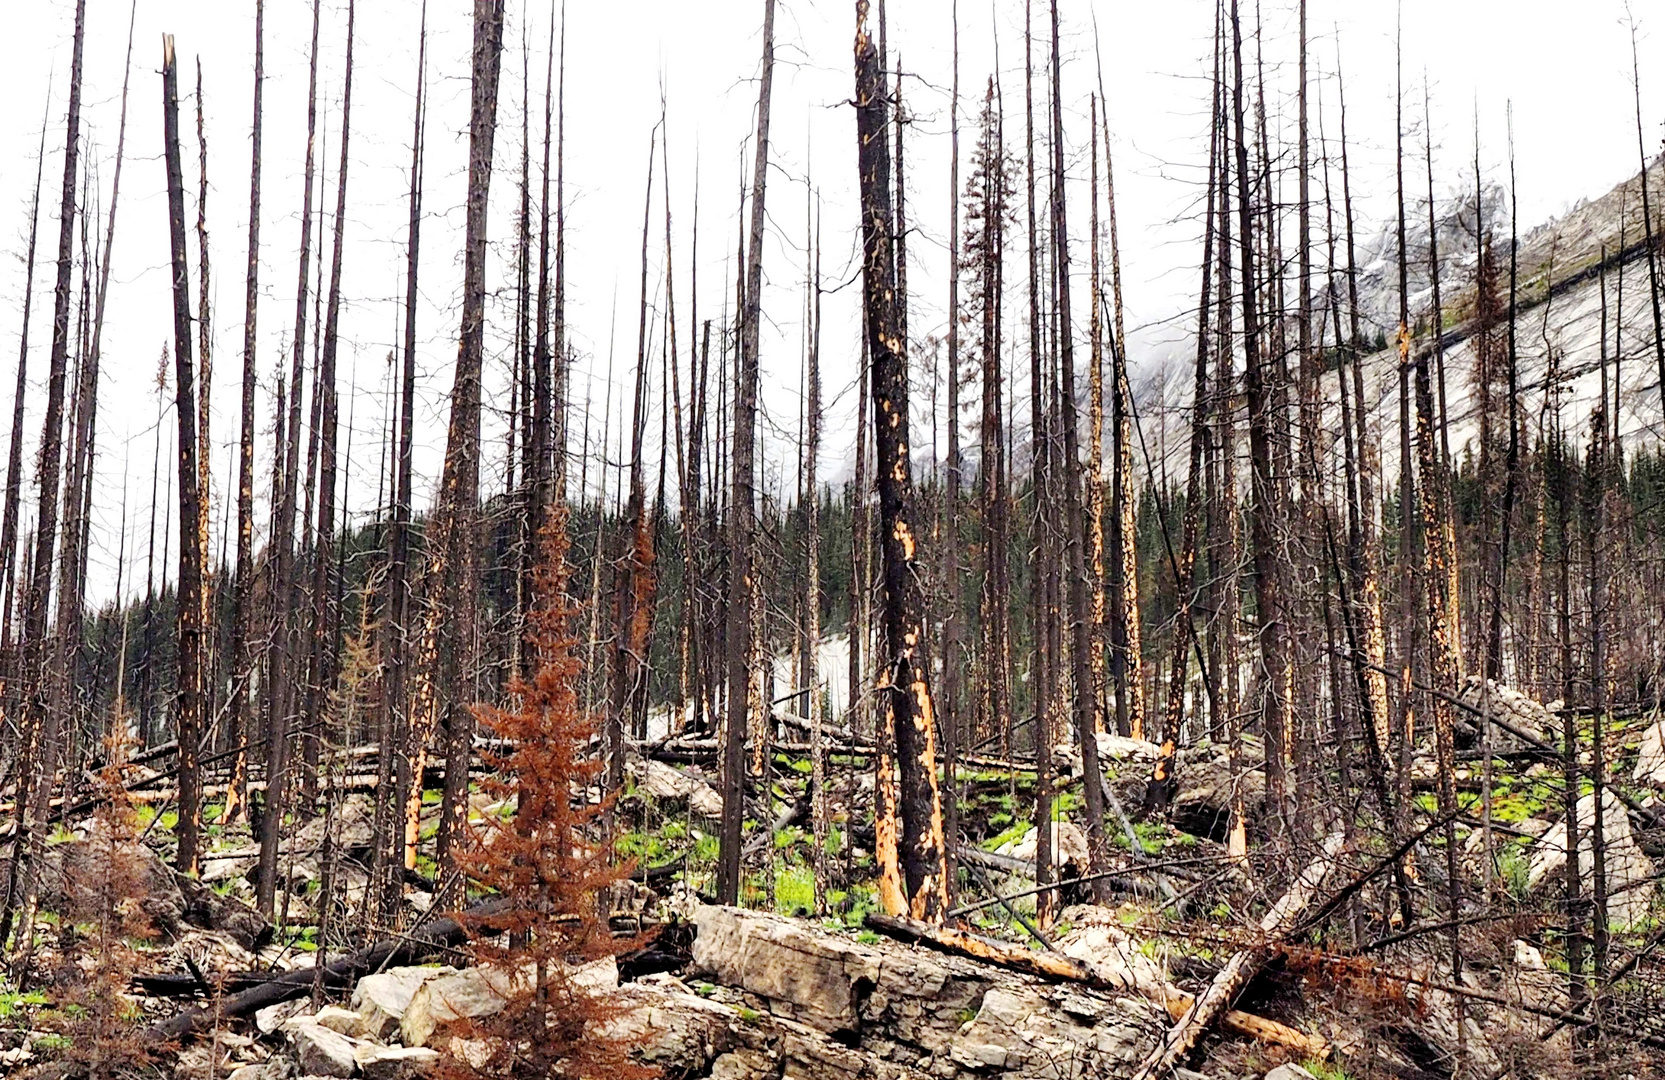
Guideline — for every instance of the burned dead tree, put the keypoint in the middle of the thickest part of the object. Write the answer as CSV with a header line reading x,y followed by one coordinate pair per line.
x,y
911,851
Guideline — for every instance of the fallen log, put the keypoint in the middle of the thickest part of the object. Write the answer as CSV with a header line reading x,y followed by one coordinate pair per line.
x,y
416,946
1057,967
1274,926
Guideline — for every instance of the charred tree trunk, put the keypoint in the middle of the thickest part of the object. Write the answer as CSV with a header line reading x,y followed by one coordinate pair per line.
x,y
280,670
242,657
393,768
37,733
325,585
1083,644
633,574
1270,630
205,445
910,846
1647,219
819,812
743,496
1044,674
460,483
189,720
14,456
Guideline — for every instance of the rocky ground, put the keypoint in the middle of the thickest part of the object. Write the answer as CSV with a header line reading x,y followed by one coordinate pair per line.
x,y
766,992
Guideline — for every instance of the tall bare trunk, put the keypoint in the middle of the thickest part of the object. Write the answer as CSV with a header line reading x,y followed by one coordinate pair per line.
x,y
1086,707
325,619
1262,523
910,846
14,455
393,768
285,580
242,658
189,720
205,383
37,734
460,482
1044,673
743,496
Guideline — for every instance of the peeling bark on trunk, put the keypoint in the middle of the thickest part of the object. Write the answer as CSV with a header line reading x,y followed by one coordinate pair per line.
x,y
911,855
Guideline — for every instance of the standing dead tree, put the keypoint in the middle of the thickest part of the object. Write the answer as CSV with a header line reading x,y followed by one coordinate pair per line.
x,y
188,715
743,496
279,674
14,454
393,766
1083,641
38,723
242,665
1270,630
447,645
325,585
910,848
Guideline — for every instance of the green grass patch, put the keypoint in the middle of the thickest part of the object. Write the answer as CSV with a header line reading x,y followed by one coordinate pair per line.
x,y
12,1001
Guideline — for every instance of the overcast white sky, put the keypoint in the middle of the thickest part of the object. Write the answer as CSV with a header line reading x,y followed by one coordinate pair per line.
x,y
1566,71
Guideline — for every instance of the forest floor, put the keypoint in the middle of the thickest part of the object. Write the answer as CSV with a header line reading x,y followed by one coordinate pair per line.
x,y
1365,999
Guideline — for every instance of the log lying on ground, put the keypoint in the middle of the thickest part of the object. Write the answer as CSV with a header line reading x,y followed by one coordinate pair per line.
x,y
414,947
1060,968
1208,1007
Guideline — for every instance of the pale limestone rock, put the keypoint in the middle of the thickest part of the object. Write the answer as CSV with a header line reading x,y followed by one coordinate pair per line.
x,y
828,1007
482,991
394,1062
1113,747
742,1064
1069,845
273,1017
1096,936
1630,889
810,977
665,782
468,994
339,1020
475,1053
201,1062
1289,1072
1650,761
1504,705
323,1052
380,1000
1528,958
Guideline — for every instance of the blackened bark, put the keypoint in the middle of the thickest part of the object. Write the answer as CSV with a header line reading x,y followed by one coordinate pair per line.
x,y
1268,611
912,860
325,618
242,658
1086,706
742,505
460,484
393,770
189,615
280,674
14,455
34,739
